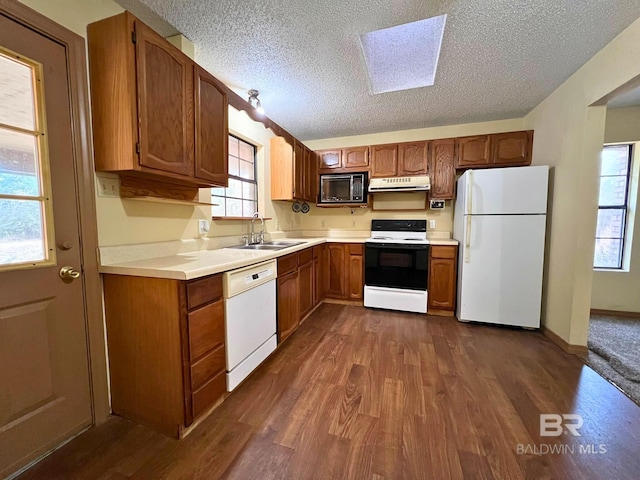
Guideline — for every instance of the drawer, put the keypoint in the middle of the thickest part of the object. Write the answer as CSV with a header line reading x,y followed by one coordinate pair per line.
x,y
443,251
356,248
287,264
207,367
206,329
208,394
204,290
305,256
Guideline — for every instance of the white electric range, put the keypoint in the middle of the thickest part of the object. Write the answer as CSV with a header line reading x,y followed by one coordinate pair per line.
x,y
396,265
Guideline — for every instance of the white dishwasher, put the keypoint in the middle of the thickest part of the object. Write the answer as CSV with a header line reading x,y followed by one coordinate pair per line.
x,y
250,318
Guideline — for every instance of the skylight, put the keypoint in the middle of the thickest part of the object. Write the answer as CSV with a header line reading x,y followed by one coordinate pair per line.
x,y
405,56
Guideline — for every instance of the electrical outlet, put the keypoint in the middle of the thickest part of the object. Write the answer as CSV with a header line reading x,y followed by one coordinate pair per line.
x,y
108,186
278,225
323,223
203,227
432,224
353,224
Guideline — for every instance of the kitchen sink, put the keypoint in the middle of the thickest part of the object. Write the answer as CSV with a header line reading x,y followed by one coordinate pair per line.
x,y
277,245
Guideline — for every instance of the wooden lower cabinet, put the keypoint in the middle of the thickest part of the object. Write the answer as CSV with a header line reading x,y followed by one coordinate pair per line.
x,y
345,271
320,261
305,288
288,310
355,271
337,273
166,348
442,279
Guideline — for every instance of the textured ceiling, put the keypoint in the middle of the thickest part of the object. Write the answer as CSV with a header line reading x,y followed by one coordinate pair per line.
x,y
499,58
629,99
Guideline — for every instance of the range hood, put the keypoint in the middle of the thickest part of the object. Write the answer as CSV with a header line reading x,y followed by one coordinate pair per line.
x,y
400,184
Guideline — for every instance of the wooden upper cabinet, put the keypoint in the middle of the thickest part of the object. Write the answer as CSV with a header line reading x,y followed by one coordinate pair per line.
x,y
165,90
384,160
473,151
442,169
299,186
146,95
356,157
329,159
281,157
512,148
211,134
313,179
412,158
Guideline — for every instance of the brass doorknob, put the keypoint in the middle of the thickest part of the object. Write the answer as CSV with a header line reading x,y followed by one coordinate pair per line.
x,y
69,273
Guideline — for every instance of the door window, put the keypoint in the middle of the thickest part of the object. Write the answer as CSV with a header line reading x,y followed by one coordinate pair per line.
x,y
26,226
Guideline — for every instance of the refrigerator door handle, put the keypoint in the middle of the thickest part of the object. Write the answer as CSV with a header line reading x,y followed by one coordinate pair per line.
x,y
469,192
467,237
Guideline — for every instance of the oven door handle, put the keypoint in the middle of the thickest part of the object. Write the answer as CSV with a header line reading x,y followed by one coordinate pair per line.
x,y
397,246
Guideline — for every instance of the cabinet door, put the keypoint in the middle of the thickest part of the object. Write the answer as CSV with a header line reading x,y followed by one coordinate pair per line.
x,y
165,104
308,175
356,277
212,137
442,169
282,163
299,187
356,157
314,180
442,278
412,158
384,160
337,273
512,148
305,288
473,151
288,312
330,159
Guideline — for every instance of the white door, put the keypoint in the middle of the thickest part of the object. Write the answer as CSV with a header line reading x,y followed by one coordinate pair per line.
x,y
516,190
500,272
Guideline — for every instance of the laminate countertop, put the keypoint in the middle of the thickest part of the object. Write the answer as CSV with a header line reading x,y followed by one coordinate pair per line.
x,y
200,263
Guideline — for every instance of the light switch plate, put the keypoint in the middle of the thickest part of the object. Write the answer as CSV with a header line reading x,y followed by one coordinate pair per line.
x,y
432,224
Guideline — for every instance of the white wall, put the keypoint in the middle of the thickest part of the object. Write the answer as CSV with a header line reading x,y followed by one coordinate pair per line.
x,y
568,136
620,290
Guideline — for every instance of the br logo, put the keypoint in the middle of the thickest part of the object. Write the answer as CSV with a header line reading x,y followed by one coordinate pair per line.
x,y
554,425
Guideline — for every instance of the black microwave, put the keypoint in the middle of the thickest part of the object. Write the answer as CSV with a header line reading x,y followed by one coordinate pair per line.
x,y
343,188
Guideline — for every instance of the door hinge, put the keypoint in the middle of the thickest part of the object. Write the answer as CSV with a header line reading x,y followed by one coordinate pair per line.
x,y
138,148
134,39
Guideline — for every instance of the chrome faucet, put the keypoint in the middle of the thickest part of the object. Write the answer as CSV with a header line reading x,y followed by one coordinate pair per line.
x,y
259,237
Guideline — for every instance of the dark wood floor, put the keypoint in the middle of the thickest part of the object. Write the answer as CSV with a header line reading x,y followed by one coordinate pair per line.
x,y
362,394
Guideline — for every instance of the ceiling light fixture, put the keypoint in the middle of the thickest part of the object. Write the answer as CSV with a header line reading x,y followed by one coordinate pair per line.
x,y
254,101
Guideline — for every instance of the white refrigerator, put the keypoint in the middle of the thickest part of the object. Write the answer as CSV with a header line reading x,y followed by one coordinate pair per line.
x,y
499,222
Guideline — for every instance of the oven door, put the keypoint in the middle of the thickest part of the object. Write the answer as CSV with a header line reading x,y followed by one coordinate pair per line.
x,y
392,265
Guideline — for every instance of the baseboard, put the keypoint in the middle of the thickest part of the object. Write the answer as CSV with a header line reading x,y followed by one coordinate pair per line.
x,y
344,302
441,313
615,313
567,347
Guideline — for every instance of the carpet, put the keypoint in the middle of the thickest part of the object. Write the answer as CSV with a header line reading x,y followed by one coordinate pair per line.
x,y
614,352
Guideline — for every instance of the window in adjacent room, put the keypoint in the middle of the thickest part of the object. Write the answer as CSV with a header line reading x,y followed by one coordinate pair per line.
x,y
615,174
240,198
